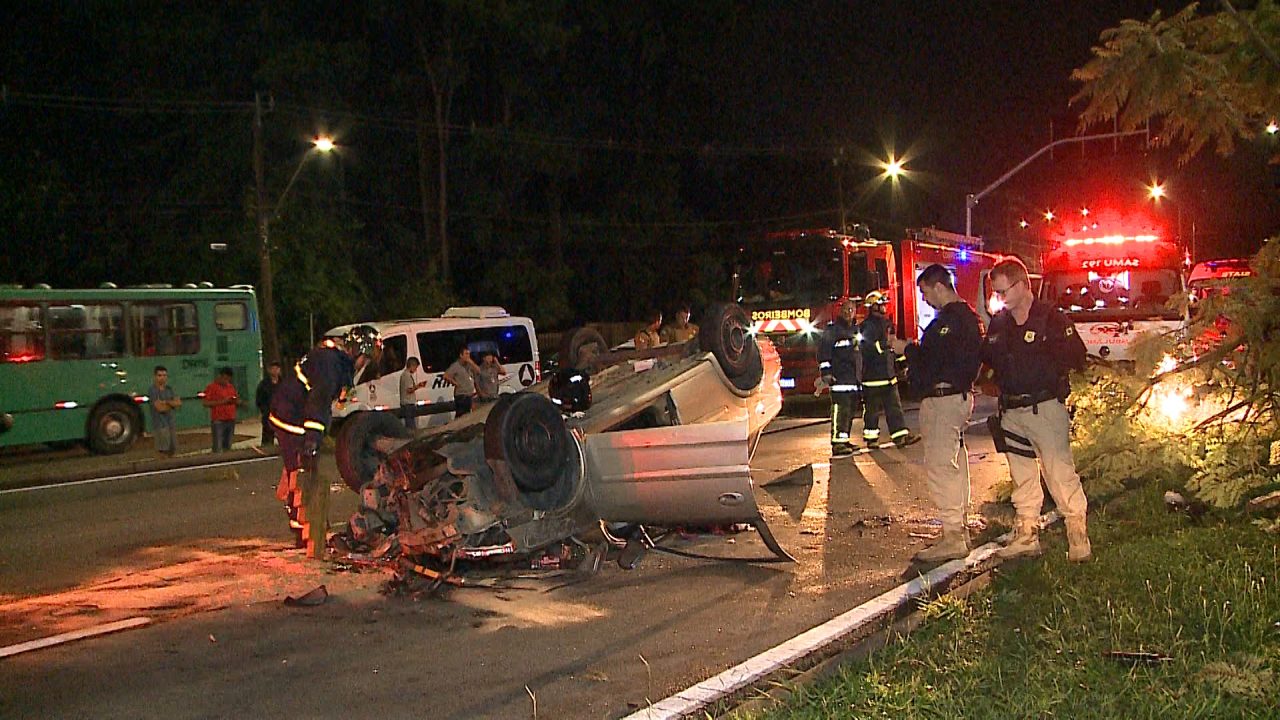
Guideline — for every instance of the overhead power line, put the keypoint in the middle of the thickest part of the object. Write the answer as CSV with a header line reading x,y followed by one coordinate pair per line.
x,y
509,135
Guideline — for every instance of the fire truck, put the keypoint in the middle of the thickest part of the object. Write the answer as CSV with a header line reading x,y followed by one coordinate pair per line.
x,y
793,282
1114,279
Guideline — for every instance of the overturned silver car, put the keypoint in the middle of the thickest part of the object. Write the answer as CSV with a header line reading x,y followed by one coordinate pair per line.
x,y
616,441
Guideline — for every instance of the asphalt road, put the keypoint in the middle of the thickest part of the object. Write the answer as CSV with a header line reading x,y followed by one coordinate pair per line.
x,y
204,554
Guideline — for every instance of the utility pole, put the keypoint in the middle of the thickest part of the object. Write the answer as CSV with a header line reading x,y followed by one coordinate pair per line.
x,y
267,306
971,200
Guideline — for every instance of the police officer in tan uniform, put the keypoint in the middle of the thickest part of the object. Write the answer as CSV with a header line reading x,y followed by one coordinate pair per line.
x,y
1031,347
941,370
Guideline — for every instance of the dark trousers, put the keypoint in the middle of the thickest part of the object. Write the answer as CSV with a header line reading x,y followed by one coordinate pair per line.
x,y
882,399
223,431
461,405
844,406
268,432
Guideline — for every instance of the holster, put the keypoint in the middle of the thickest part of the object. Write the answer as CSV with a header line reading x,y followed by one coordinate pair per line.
x,y
1001,439
997,433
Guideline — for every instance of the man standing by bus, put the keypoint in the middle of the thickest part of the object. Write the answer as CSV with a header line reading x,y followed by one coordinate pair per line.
x,y
879,377
164,403
262,398
221,398
1032,347
941,369
300,411
840,363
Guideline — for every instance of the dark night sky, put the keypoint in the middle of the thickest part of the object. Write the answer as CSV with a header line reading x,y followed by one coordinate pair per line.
x,y
970,89
965,89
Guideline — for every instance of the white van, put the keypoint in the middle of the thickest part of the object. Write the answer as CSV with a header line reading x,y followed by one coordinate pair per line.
x,y
436,342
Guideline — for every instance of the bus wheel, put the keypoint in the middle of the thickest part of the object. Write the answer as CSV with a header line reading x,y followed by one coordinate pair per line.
x,y
527,432
357,457
113,425
582,346
723,333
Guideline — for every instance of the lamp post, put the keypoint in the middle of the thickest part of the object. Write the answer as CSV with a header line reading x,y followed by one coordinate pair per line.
x,y
1157,192
270,337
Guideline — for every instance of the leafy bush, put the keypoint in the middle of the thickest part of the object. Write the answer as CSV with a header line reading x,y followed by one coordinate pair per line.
x,y
1197,411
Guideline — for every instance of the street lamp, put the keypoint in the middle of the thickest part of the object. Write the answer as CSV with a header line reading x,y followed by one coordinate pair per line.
x,y
893,168
1156,192
321,144
1049,216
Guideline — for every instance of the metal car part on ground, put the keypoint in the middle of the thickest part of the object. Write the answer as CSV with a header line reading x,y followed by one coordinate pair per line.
x,y
665,441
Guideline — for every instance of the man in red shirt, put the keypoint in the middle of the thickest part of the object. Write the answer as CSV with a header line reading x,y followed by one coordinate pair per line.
x,y
221,398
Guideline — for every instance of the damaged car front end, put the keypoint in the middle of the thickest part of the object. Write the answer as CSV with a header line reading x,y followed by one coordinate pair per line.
x,y
616,443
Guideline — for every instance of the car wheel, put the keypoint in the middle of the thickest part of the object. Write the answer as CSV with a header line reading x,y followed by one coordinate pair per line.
x,y
113,426
526,431
723,333
355,451
581,348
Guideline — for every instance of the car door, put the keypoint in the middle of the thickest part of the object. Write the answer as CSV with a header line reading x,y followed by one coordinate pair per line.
x,y
694,470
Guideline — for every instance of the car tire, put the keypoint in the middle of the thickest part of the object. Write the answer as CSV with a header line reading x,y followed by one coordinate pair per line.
x,y
113,426
581,347
723,333
357,457
527,432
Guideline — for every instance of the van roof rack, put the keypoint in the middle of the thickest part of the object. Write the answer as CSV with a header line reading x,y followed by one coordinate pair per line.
x,y
476,311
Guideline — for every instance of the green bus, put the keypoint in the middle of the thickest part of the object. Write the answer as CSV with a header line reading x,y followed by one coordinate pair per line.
x,y
77,364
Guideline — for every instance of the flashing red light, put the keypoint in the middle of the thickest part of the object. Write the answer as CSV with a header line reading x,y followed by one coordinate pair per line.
x,y
1110,240
23,357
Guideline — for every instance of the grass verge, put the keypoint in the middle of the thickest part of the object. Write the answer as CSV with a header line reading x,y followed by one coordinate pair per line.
x,y
1196,602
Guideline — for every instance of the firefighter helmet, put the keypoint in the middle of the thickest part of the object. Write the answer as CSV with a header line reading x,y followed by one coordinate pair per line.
x,y
875,297
361,340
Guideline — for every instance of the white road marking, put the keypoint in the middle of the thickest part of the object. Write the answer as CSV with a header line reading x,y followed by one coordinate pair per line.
x,y
67,637
145,473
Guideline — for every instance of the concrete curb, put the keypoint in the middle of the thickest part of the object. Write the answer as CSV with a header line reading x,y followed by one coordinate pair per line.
x,y
878,609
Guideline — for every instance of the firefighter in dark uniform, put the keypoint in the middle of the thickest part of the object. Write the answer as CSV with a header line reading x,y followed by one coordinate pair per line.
x,y
839,363
1031,347
300,413
941,370
879,377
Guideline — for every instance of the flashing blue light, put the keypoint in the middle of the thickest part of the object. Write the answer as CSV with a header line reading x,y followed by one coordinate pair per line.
x,y
964,255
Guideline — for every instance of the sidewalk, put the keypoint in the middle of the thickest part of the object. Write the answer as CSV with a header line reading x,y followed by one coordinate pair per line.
x,y
39,465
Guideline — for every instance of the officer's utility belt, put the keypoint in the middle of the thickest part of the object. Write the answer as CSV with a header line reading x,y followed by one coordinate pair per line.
x,y
1013,402
945,390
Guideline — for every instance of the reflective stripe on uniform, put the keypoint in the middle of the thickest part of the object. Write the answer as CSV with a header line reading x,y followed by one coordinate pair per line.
x,y
844,388
880,383
313,425
898,434
843,343
871,434
302,377
824,365
294,429
879,348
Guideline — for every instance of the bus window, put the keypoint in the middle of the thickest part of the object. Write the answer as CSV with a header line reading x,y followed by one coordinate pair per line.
x,y
86,331
230,316
164,329
21,334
